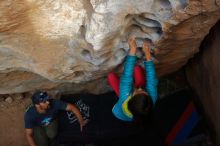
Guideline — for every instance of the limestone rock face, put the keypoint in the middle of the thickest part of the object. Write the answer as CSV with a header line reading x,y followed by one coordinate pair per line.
x,y
46,44
203,73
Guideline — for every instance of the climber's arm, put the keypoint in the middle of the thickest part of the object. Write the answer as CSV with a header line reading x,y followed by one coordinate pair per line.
x,y
151,79
126,81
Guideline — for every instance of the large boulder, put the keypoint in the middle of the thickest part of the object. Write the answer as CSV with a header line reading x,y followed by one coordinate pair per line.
x,y
203,73
70,45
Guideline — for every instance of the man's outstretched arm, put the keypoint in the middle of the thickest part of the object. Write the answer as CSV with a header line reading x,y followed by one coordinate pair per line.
x,y
76,111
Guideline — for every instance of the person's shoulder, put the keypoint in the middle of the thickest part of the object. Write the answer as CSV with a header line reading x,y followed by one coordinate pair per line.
x,y
56,102
30,111
29,108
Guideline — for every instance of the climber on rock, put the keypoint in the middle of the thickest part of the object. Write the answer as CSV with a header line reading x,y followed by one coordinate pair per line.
x,y
40,118
135,103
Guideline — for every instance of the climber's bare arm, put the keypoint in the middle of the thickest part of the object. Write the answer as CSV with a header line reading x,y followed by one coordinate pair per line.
x,y
132,45
147,50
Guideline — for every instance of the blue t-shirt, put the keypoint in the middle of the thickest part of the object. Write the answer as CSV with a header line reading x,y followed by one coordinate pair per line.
x,y
32,118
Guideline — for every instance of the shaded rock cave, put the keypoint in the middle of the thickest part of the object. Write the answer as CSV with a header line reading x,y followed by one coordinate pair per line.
x,y
68,47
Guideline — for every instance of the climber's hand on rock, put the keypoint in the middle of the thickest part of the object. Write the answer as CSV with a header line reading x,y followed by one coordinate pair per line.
x,y
147,50
132,45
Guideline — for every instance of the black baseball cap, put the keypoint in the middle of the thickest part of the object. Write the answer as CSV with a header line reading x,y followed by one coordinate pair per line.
x,y
39,97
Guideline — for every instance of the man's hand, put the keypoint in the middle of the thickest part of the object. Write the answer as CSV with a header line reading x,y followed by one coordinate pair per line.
x,y
147,50
132,45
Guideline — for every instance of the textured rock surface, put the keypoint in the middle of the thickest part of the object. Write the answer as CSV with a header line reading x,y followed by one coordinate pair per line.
x,y
54,44
12,122
203,74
